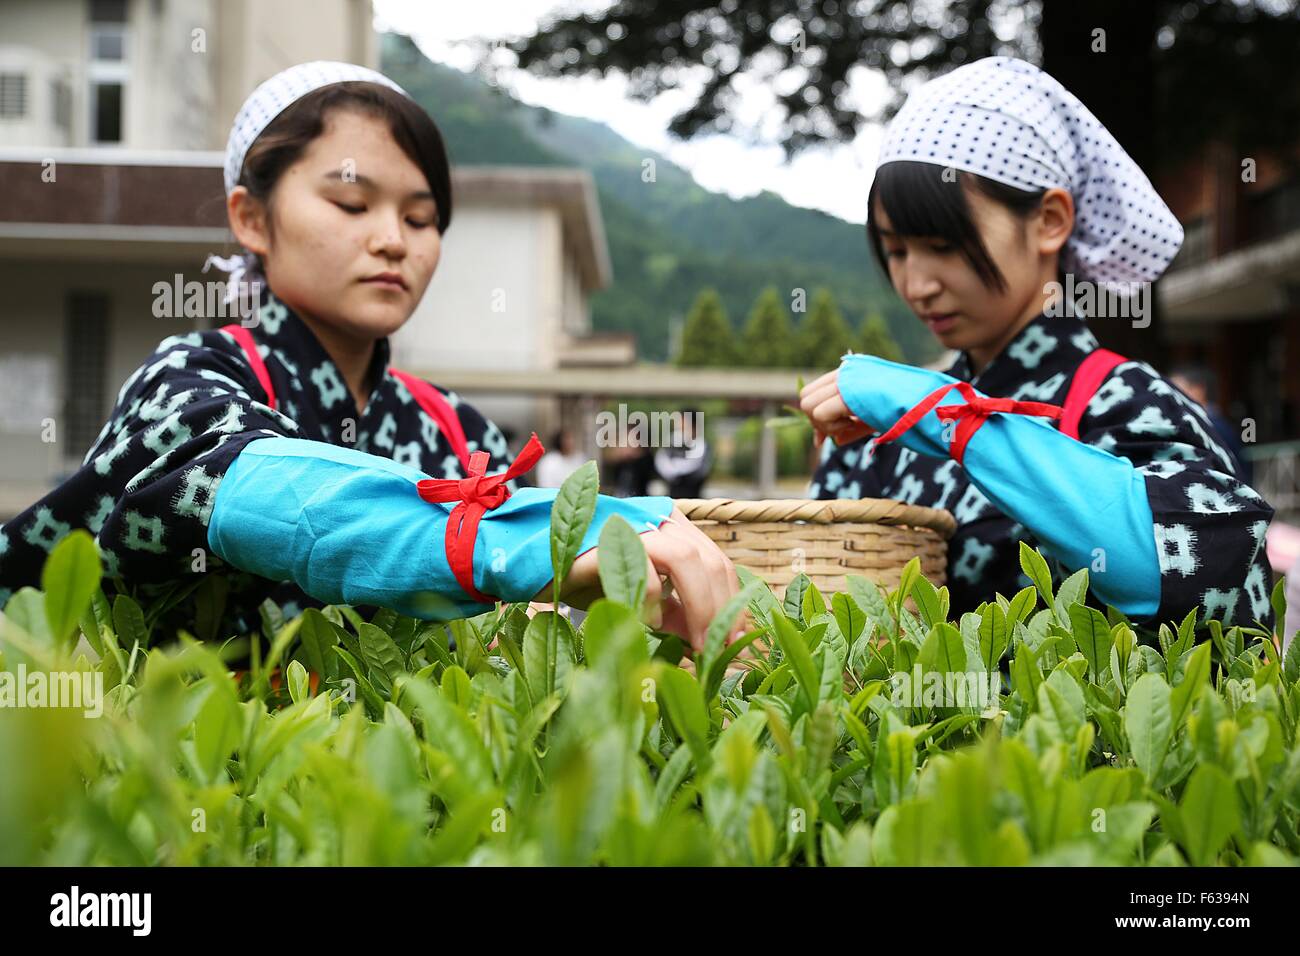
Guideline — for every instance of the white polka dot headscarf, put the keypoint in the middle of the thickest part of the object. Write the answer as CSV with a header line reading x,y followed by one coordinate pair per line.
x,y
272,97
264,104
1006,120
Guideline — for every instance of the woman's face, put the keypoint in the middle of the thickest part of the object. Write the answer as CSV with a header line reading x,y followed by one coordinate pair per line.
x,y
352,208
946,292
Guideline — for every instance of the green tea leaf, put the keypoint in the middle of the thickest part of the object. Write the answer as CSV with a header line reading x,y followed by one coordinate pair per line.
x,y
866,594
721,626
848,616
1021,606
1060,704
684,701
943,651
1196,675
317,635
128,621
1278,600
1092,635
621,559
796,652
218,728
1148,722
792,604
1209,812
813,602
926,596
548,653
1025,676
374,704
907,581
447,728
1291,665
571,514
993,636
1073,589
69,579
1035,568
379,651
299,682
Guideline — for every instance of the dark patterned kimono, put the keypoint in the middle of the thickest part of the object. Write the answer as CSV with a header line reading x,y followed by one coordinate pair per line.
x,y
1209,526
147,486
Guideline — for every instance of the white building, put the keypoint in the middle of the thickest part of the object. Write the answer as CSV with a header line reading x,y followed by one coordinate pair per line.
x,y
113,116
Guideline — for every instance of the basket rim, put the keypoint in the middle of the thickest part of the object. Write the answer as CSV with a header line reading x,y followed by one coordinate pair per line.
x,y
886,511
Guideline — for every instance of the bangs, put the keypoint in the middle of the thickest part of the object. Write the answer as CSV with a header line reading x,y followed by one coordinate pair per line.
x,y
921,202
287,137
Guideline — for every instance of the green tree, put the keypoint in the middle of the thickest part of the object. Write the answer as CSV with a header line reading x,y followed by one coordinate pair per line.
x,y
823,336
874,339
768,341
1159,56
707,338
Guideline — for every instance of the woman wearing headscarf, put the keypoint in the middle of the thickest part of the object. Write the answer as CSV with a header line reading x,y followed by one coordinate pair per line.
x,y
285,450
997,195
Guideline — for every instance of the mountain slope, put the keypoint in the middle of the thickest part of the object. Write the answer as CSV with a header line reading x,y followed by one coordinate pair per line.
x,y
669,238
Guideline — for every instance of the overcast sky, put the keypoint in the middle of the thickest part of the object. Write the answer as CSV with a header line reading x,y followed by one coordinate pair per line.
x,y
834,178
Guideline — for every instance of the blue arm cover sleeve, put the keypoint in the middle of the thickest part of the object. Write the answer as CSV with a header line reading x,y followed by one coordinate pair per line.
x,y
350,528
1073,497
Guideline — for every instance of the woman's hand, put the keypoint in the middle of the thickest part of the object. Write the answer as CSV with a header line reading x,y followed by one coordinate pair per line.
x,y
701,575
821,401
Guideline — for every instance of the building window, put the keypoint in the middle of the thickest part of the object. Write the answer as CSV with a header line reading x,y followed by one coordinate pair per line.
x,y
13,95
106,104
108,11
107,43
85,370
107,70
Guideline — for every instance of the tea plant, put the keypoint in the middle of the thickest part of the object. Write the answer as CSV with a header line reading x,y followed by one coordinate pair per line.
x,y
845,729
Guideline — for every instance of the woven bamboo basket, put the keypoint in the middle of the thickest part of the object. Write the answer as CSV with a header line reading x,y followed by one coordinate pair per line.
x,y
826,539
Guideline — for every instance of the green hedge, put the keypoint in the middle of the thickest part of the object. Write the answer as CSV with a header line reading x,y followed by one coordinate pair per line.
x,y
793,447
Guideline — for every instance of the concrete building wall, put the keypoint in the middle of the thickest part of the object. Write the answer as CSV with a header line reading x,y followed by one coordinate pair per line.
x,y
259,39
188,65
493,304
34,328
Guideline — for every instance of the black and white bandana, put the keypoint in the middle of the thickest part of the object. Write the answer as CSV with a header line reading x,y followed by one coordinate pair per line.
x,y
1006,120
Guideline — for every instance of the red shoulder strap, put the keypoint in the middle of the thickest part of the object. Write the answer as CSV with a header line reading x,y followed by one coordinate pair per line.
x,y
1092,371
247,343
437,407
428,397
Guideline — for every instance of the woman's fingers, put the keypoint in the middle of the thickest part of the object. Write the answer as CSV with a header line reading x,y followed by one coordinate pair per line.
x,y
654,587
700,573
824,405
680,560
674,620
719,568
689,579
704,577
817,392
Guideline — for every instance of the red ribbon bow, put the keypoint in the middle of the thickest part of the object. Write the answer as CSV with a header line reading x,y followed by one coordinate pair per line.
x,y
476,494
969,417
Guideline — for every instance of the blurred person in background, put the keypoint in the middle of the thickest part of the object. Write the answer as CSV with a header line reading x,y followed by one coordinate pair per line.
x,y
686,463
560,462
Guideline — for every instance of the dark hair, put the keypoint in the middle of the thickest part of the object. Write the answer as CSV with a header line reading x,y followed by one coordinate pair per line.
x,y
287,137
921,201
1197,375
